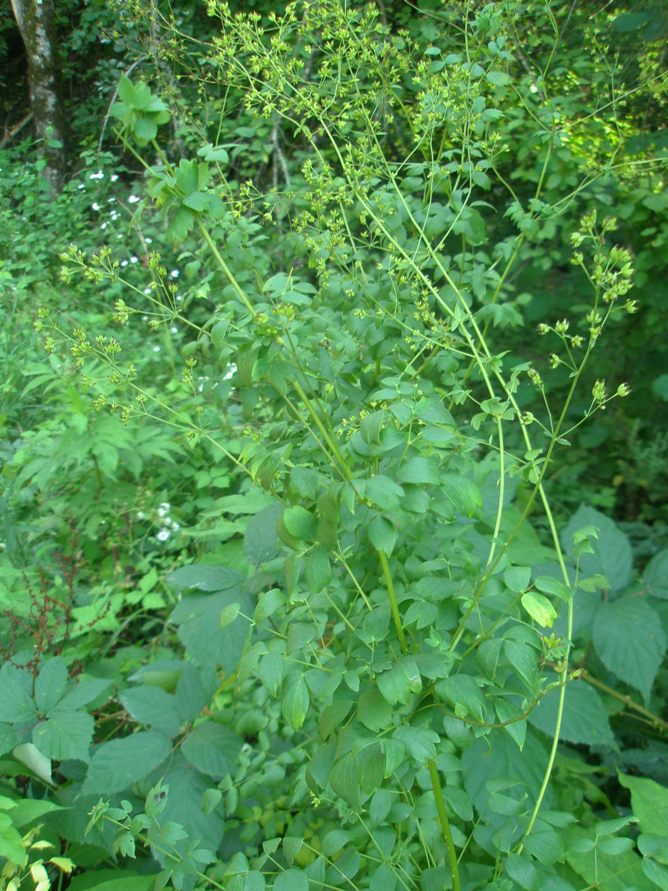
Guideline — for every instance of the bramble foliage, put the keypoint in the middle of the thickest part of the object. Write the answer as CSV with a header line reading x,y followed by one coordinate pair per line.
x,y
296,598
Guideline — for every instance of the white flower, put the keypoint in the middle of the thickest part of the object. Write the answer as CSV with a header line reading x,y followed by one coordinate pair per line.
x,y
163,535
174,273
98,175
156,348
113,177
95,205
174,330
163,509
124,262
141,515
230,371
134,260
133,199
148,240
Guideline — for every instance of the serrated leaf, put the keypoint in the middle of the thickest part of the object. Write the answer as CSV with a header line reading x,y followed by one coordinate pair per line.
x,y
655,575
154,707
186,805
212,748
50,684
16,702
585,721
630,642
649,802
11,843
84,692
66,734
120,763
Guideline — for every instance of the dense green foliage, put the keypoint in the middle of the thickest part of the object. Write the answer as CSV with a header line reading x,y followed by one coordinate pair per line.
x,y
335,547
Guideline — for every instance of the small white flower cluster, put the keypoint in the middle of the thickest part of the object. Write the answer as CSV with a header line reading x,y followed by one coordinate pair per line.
x,y
168,526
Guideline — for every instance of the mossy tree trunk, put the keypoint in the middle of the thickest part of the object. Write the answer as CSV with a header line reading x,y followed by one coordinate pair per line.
x,y
35,19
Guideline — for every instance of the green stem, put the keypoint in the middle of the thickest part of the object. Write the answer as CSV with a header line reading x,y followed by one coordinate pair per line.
x,y
444,824
630,703
226,269
396,615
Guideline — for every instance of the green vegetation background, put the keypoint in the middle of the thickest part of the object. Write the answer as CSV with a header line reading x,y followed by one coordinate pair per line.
x,y
333,425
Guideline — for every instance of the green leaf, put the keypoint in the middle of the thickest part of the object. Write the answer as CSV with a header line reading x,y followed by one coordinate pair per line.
x,y
198,618
144,129
300,523
34,760
317,569
187,804
649,802
16,702
462,494
66,734
27,810
655,576
539,608
228,614
374,711
295,703
464,695
83,693
154,707
630,642
612,555
11,843
419,742
260,538
197,201
401,681
120,763
344,780
291,880
111,880
381,491
50,684
418,471
213,749
382,534
585,721
9,737
204,577
126,90
498,78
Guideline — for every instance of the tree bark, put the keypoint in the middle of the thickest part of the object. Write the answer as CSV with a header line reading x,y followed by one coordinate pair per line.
x,y
35,19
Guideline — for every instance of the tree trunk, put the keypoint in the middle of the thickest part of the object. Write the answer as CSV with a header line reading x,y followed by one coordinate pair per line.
x,y
35,19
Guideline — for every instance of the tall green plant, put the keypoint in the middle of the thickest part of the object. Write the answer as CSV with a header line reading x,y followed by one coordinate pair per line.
x,y
377,624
